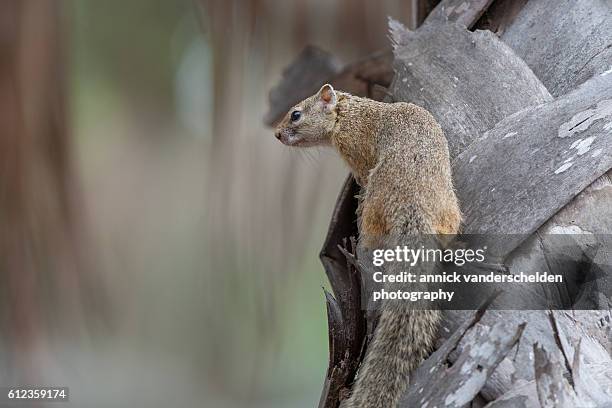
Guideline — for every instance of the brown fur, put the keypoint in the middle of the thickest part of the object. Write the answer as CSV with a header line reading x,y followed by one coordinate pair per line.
x,y
399,156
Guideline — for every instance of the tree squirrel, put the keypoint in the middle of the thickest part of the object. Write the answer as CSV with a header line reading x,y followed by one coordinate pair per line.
x,y
399,156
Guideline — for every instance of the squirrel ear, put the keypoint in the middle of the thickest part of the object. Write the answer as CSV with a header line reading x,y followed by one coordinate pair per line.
x,y
327,95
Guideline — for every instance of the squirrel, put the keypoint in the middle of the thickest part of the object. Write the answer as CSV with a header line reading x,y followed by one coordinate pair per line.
x,y
399,156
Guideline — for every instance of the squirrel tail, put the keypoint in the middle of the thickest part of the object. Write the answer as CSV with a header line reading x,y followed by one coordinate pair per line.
x,y
404,335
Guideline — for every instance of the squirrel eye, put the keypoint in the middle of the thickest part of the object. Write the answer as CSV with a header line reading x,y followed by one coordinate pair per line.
x,y
295,115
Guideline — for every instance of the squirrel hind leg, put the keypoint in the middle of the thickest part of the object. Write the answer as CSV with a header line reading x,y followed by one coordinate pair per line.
x,y
374,225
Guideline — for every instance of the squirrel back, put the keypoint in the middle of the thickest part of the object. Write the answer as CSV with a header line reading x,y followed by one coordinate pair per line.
x,y
399,156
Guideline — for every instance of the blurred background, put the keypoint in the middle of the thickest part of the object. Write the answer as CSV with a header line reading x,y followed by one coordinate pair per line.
x,y
158,246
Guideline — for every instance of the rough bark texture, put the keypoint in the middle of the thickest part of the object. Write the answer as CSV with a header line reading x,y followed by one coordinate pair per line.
x,y
542,157
518,164
468,81
463,12
346,320
434,383
564,42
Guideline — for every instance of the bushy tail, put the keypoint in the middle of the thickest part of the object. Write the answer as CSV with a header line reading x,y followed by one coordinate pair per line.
x,y
403,337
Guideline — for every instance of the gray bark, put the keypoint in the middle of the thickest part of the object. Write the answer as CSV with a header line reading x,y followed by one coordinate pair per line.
x,y
522,196
468,81
565,42
463,12
435,385
540,157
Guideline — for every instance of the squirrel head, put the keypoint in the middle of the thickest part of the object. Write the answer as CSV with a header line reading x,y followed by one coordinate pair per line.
x,y
310,122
